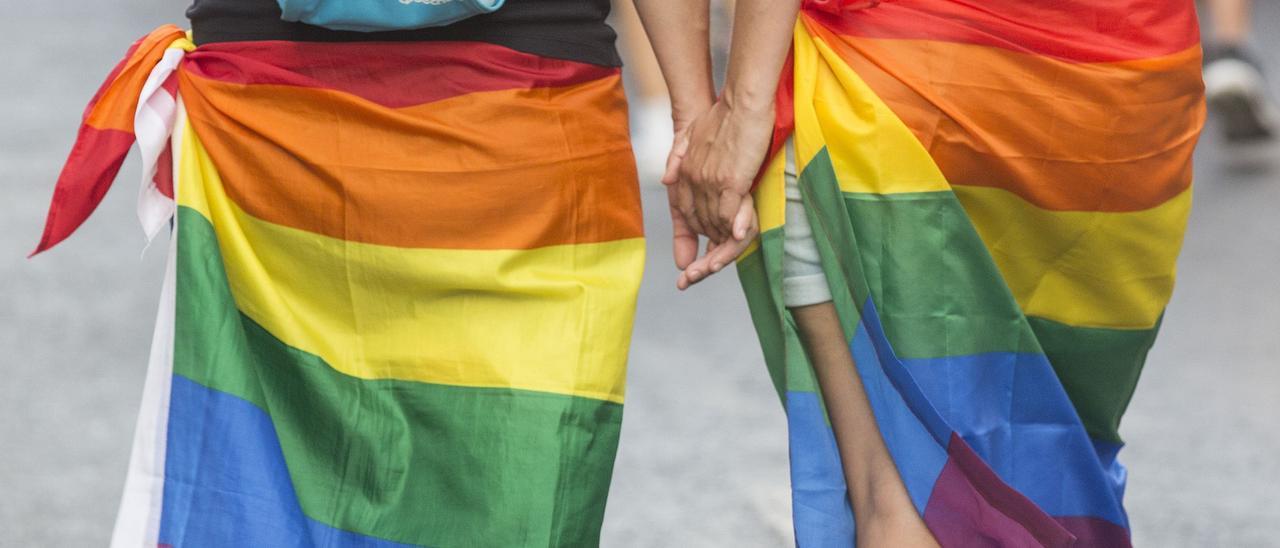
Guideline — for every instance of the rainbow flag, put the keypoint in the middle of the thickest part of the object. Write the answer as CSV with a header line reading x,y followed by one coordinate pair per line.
x,y
399,297
998,191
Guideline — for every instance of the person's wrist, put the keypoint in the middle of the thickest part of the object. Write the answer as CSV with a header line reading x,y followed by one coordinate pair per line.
x,y
750,115
685,112
749,102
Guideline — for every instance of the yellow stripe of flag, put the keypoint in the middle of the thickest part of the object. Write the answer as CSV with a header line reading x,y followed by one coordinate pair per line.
x,y
1082,268
554,319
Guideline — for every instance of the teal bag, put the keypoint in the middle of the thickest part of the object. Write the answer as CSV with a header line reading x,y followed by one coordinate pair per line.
x,y
382,15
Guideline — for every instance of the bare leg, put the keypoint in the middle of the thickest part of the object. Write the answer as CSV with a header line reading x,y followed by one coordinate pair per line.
x,y
883,511
647,78
1231,21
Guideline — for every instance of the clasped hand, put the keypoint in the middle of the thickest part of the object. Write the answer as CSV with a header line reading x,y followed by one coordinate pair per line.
x,y
713,162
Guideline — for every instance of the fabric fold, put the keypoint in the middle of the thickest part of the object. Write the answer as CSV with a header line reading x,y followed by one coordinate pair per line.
x,y
107,133
998,205
393,315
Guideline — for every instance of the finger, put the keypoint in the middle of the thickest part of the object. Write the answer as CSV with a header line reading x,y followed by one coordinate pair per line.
x,y
712,262
684,205
696,270
712,201
688,277
718,256
702,208
685,249
688,208
725,254
727,212
695,226
693,273
745,217
684,243
700,214
699,269
691,158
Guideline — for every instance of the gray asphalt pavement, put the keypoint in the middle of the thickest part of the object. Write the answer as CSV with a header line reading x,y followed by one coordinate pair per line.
x,y
703,458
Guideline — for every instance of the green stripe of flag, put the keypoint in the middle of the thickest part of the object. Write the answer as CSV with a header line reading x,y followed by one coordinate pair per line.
x,y
917,255
1099,368
405,461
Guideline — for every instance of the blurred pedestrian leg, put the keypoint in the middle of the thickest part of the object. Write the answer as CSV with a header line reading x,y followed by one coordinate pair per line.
x,y
651,125
1234,85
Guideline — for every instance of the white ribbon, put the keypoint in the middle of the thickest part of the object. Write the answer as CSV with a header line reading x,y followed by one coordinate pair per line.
x,y
152,126
138,519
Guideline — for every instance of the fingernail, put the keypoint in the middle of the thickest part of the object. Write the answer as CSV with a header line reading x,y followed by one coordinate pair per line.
x,y
716,267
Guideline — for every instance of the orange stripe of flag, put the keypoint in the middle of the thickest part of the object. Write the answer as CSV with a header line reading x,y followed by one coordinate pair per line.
x,y
1061,135
512,169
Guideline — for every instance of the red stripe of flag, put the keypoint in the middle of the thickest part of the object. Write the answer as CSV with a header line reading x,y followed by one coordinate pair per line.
x,y
410,74
99,152
1083,31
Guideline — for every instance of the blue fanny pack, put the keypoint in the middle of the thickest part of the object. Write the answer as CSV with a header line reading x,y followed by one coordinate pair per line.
x,y
381,15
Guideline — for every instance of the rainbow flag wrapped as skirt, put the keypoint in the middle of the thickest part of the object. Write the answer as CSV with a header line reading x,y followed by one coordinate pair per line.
x,y
400,296
998,191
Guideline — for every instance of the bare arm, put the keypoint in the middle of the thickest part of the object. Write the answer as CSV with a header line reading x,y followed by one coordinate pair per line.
x,y
729,143
679,31
761,39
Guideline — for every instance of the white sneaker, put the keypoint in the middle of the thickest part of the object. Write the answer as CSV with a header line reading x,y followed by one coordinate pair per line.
x,y
1235,90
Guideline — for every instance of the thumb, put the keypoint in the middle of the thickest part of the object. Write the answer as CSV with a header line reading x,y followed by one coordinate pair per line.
x,y
679,147
746,215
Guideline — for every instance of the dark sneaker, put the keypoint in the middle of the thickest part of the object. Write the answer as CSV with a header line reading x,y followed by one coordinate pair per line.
x,y
1237,95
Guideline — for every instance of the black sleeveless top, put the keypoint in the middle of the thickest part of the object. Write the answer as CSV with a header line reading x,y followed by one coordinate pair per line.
x,y
563,29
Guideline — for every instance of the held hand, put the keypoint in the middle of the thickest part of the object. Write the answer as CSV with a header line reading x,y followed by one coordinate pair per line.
x,y
719,255
684,239
738,226
725,148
